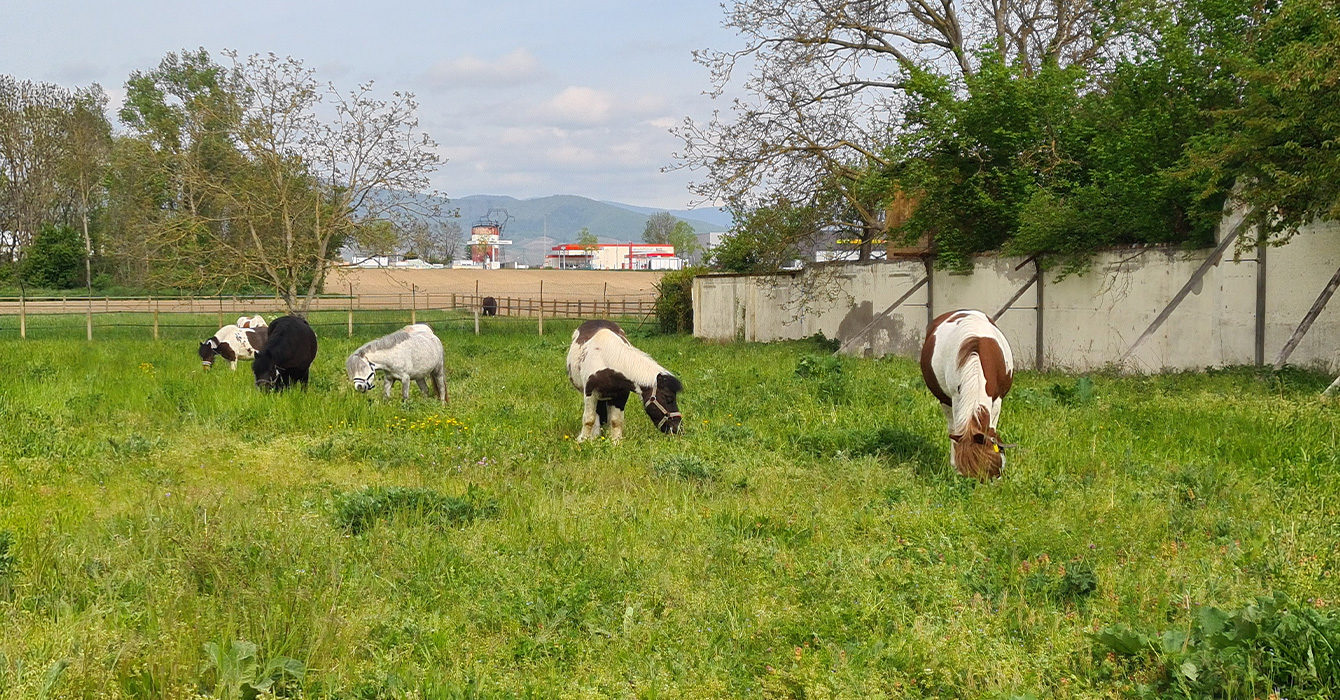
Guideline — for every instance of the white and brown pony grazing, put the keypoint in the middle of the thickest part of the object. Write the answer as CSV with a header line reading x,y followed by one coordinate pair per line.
x,y
605,367
967,365
233,343
257,321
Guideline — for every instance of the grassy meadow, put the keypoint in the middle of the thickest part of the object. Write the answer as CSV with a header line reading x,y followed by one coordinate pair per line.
x,y
169,532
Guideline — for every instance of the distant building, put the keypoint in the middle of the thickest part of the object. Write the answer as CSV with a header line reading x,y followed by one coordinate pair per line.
x,y
707,242
614,256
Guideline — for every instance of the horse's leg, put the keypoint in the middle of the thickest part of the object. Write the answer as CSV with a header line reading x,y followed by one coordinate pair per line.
x,y
404,388
602,413
440,383
616,416
386,390
590,426
423,385
232,364
301,375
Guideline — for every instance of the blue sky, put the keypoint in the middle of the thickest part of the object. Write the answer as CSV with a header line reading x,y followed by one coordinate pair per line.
x,y
524,98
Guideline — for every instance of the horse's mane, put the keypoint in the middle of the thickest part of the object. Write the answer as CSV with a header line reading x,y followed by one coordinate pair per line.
x,y
621,356
385,342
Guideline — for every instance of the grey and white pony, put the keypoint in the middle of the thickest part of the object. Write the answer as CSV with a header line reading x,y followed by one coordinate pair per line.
x,y
413,352
605,367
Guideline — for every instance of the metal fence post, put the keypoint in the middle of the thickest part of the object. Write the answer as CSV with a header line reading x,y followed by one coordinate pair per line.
x,y
88,318
413,304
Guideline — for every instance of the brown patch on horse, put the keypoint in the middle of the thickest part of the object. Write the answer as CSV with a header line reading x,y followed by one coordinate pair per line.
x,y
989,355
999,379
590,328
226,350
928,352
609,384
977,450
257,336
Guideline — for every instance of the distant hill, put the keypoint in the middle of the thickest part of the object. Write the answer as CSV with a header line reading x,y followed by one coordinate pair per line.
x,y
720,219
560,217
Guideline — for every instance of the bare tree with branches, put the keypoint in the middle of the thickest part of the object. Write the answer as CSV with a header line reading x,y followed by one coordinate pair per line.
x,y
303,185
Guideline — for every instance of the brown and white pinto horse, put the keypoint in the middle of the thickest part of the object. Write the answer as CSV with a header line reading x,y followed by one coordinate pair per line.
x,y
967,365
233,343
605,367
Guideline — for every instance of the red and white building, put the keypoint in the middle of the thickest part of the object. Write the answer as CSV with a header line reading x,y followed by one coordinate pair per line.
x,y
614,256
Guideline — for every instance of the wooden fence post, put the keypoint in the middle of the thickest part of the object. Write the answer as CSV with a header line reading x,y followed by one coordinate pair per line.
x,y
154,303
88,318
351,309
541,316
413,304
23,316
476,320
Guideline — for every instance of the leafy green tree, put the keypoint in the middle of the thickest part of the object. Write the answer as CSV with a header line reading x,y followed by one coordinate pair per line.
x,y
587,240
658,228
684,239
55,258
767,238
1279,142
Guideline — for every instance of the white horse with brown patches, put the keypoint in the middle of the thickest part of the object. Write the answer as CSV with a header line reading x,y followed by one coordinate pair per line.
x,y
233,343
605,367
967,365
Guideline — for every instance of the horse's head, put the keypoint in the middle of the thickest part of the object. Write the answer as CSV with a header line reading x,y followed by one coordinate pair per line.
x,y
362,371
662,404
268,374
208,350
978,452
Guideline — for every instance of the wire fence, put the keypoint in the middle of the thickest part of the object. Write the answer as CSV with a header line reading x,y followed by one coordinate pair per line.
x,y
196,317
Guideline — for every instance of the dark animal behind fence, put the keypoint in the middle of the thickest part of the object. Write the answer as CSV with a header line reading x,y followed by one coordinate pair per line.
x,y
489,306
287,355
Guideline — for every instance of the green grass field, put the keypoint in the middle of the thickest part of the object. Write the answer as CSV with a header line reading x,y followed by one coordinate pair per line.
x,y
166,532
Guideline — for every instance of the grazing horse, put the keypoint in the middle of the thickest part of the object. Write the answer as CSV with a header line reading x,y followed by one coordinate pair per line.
x,y
256,321
287,355
967,365
231,343
413,352
605,367
489,306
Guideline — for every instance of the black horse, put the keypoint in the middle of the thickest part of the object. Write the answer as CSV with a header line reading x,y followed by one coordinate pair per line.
x,y
489,306
287,355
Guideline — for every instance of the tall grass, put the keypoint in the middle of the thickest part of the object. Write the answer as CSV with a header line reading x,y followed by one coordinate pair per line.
x,y
168,531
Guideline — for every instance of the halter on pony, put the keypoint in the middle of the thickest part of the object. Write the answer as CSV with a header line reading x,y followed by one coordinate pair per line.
x,y
665,415
366,383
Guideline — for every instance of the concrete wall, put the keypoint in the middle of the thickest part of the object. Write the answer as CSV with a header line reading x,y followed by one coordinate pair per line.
x,y
1088,321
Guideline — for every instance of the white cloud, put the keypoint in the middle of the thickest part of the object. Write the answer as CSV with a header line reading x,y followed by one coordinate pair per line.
x,y
516,68
579,105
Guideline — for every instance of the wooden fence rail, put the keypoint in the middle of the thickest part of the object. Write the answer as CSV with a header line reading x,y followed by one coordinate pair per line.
x,y
226,309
